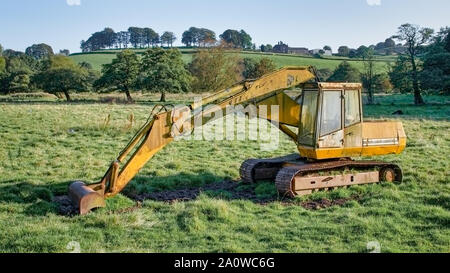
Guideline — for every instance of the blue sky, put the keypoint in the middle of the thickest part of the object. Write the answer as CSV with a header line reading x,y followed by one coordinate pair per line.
x,y
308,23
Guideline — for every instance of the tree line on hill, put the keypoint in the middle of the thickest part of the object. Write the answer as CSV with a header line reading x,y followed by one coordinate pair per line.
x,y
134,36
137,37
388,47
424,67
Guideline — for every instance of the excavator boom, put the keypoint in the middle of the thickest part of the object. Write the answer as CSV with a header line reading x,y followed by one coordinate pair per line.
x,y
328,130
165,124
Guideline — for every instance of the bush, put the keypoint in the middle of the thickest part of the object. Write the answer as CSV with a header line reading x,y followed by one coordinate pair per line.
x,y
255,69
323,74
382,83
214,69
345,73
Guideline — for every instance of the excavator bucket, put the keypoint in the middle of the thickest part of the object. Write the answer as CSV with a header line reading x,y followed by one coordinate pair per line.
x,y
84,198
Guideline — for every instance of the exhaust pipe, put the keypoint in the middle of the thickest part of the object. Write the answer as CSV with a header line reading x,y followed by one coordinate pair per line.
x,y
85,198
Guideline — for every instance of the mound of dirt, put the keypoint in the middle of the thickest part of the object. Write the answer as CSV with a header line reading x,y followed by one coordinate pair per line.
x,y
65,206
233,192
230,188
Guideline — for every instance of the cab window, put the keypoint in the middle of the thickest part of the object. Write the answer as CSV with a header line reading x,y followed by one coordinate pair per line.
x,y
331,112
352,110
308,117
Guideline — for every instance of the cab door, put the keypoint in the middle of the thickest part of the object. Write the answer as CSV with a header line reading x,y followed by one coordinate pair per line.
x,y
352,123
331,133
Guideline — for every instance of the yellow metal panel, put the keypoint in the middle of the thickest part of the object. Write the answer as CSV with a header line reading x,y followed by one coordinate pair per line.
x,y
320,154
353,136
381,129
289,109
158,137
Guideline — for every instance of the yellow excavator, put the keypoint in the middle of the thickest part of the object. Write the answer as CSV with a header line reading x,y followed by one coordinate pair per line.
x,y
324,120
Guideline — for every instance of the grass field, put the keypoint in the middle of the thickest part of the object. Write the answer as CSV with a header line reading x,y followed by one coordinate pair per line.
x,y
97,59
46,143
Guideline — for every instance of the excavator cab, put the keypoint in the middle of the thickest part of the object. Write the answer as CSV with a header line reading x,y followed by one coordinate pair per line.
x,y
332,125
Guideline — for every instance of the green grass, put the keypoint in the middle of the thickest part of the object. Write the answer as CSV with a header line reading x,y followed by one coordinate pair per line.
x,y
45,144
97,59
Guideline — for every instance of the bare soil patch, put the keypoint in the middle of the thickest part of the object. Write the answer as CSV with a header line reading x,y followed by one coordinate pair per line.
x,y
231,190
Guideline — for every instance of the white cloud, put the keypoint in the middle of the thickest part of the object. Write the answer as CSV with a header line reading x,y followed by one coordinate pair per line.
x,y
73,2
370,2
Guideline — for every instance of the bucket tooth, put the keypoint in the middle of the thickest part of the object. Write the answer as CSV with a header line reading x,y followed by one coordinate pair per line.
x,y
84,198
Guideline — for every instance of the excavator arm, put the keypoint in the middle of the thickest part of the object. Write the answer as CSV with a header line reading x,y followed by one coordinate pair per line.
x,y
164,125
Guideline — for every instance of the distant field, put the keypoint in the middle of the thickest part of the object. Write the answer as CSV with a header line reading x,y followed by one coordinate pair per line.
x,y
97,59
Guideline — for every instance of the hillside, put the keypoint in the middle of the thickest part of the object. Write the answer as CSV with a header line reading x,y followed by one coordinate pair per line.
x,y
98,58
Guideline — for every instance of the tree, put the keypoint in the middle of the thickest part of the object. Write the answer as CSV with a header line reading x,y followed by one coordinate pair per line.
x,y
237,39
123,39
61,74
245,39
345,73
168,38
231,37
381,83
92,74
39,51
156,40
164,71
137,36
415,38
106,38
380,45
368,74
2,65
198,37
389,43
206,37
255,69
446,43
121,73
64,52
191,36
213,69
266,48
1,50
343,51
187,38
363,51
435,74
109,37
9,53
150,37
400,74
17,72
327,48
3,74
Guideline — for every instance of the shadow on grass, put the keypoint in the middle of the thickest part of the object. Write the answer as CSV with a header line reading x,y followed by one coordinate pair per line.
x,y
40,200
260,193
37,199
